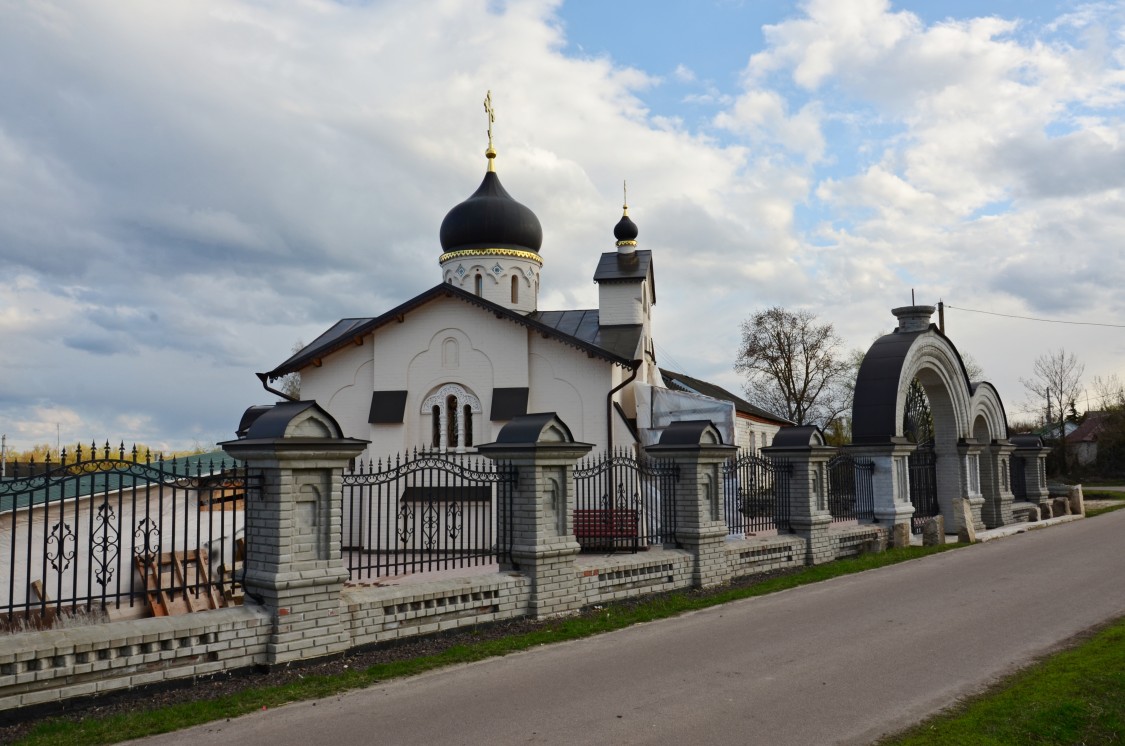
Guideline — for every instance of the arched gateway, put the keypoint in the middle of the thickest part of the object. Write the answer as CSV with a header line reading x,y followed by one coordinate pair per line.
x,y
965,426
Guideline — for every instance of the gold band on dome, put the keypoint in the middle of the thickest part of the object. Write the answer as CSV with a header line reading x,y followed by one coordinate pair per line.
x,y
514,253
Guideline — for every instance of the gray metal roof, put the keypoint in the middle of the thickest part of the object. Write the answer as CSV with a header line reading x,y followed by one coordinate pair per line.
x,y
576,328
621,341
617,267
693,385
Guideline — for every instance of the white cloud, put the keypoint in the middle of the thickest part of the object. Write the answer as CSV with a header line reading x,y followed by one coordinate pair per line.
x,y
188,188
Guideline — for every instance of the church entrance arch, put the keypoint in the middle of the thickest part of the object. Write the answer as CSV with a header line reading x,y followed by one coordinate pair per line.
x,y
915,405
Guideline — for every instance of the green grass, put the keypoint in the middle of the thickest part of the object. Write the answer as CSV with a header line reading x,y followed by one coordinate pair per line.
x,y
123,727
1095,494
1074,697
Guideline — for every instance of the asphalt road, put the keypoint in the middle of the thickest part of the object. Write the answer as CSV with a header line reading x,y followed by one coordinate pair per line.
x,y
843,661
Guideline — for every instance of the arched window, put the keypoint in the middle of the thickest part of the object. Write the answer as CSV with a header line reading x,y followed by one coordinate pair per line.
x,y
451,409
451,421
478,284
515,289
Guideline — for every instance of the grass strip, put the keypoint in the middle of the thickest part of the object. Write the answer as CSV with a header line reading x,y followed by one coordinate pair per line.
x,y
1102,494
1095,494
122,727
1074,697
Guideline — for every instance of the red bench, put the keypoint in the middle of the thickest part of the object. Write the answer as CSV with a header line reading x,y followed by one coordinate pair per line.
x,y
607,529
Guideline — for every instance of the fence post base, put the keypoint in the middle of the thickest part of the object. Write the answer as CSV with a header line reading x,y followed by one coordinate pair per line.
x,y
535,528
293,565
803,448
697,449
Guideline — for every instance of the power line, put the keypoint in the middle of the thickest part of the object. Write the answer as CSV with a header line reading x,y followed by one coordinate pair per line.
x,y
1033,318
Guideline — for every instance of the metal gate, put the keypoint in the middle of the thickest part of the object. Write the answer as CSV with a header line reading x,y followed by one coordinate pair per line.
x,y
104,528
624,502
756,491
851,494
425,512
923,485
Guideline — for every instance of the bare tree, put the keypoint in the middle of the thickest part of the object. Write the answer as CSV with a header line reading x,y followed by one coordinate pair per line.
x,y
1109,392
794,366
973,369
1056,383
290,383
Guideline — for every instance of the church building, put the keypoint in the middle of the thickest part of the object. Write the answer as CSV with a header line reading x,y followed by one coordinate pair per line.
x,y
448,368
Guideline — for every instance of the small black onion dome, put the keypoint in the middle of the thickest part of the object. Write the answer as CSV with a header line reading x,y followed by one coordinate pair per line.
x,y
625,230
491,219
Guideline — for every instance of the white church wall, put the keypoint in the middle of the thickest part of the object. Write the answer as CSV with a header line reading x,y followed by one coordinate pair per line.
x,y
574,385
342,386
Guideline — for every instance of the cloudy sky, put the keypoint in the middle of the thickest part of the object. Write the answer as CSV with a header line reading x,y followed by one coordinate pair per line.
x,y
189,188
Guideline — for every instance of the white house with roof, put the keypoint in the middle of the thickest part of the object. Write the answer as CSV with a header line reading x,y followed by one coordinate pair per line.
x,y
449,367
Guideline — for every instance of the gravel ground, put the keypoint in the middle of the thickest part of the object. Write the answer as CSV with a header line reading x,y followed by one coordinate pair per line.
x,y
17,723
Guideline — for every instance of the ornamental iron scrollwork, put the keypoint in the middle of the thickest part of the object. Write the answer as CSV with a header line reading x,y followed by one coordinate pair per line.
x,y
61,545
104,544
146,538
431,524
454,519
406,523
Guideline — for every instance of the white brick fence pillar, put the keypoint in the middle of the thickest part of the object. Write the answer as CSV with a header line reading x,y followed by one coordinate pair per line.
x,y
804,449
890,484
697,449
293,565
968,459
996,480
537,524
1032,452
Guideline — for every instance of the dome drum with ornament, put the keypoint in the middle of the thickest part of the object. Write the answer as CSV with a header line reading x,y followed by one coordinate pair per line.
x,y
490,242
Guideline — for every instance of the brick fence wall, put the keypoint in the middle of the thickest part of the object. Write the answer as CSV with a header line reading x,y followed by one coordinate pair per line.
x,y
297,604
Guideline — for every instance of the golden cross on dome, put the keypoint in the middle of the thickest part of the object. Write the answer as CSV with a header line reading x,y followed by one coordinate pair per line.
x,y
491,152
625,197
491,115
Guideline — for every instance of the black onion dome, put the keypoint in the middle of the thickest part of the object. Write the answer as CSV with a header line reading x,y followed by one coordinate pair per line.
x,y
491,219
625,230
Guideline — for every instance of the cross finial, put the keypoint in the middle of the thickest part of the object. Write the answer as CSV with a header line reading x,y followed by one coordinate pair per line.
x,y
491,152
625,197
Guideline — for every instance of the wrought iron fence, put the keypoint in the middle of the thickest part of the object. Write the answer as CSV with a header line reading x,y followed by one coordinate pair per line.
x,y
756,493
923,485
103,528
423,512
851,494
624,502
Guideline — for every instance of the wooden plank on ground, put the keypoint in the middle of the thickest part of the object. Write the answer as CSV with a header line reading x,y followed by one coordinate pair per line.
x,y
178,583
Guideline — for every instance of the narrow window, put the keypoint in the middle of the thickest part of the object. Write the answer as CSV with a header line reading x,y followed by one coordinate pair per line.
x,y
451,422
479,285
468,426
515,289
435,413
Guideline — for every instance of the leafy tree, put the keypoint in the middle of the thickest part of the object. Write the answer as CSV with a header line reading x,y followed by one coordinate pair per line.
x,y
794,366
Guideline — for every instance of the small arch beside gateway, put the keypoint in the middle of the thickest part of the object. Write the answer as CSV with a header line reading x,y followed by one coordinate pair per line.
x,y
971,452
